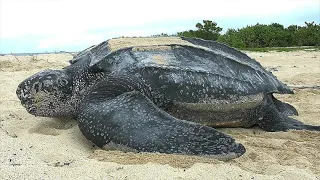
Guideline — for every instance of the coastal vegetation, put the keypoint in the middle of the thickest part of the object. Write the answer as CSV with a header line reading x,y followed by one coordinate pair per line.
x,y
260,37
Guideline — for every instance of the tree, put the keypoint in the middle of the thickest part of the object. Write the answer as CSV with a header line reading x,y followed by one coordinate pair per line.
x,y
208,30
209,26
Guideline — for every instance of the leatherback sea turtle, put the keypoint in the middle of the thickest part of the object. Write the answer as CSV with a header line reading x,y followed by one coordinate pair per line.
x,y
162,94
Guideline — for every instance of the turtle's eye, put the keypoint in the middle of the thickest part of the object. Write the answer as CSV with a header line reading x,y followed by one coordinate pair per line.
x,y
62,82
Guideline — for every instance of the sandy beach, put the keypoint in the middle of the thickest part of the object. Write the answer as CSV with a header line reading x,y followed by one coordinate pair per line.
x,y
47,148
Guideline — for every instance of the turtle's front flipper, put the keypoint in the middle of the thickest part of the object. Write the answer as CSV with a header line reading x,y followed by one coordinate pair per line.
x,y
133,121
274,120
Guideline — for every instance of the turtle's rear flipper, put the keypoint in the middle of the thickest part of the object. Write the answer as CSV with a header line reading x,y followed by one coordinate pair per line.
x,y
273,120
132,121
285,108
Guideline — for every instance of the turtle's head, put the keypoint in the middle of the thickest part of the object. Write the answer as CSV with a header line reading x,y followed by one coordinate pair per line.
x,y
47,93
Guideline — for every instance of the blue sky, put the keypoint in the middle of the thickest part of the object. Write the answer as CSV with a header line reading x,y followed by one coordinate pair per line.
x,y
72,25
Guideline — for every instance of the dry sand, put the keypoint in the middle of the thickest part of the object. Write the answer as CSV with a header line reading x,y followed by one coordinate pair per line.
x,y
46,148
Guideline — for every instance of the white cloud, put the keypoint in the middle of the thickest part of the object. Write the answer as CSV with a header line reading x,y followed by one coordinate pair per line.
x,y
61,22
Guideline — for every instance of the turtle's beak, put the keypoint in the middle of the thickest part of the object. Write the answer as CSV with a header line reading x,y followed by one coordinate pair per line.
x,y
23,93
